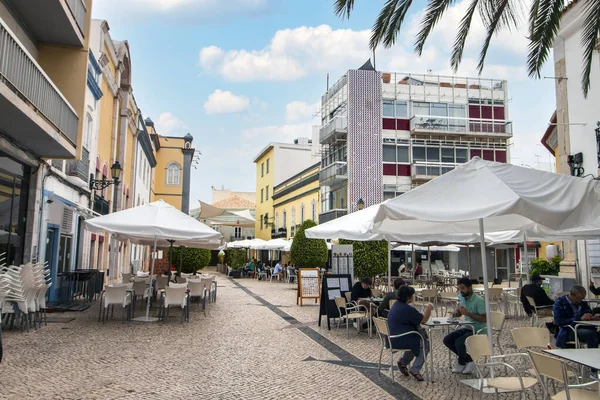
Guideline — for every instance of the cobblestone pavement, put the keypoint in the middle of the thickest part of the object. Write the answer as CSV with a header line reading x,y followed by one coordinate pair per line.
x,y
256,344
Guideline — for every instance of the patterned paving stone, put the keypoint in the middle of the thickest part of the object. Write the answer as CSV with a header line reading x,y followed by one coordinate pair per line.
x,y
256,344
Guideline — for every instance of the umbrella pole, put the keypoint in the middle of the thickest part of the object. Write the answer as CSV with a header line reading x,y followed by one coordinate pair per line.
x,y
488,318
469,259
412,263
147,318
429,260
389,266
525,260
180,260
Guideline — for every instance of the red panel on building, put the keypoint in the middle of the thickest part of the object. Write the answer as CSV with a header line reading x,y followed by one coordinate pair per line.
x,y
403,124
403,169
389,123
389,169
475,153
488,155
501,156
474,112
498,112
486,112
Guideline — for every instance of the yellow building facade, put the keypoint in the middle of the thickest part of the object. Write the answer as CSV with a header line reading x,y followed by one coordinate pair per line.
x,y
294,201
265,179
171,178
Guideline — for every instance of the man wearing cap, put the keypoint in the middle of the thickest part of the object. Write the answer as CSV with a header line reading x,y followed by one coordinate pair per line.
x,y
536,292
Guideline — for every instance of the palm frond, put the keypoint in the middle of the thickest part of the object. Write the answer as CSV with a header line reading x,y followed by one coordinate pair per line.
x,y
433,13
543,31
461,36
496,15
533,15
342,8
389,22
589,39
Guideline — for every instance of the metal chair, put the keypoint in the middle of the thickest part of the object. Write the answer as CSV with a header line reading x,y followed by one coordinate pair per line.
x,y
478,347
538,311
554,368
383,331
350,311
497,322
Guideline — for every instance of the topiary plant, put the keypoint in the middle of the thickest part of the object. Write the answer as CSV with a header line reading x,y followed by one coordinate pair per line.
x,y
541,266
193,259
370,258
308,253
235,258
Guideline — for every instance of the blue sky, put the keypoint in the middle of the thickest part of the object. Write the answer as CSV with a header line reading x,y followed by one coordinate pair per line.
x,y
238,74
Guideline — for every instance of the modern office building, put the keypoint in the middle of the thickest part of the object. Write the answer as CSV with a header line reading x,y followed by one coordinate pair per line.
x,y
383,134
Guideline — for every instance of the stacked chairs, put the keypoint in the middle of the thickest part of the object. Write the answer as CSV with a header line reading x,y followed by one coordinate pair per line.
x,y
23,294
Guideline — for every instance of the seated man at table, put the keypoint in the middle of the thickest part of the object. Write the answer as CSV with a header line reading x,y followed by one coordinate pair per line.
x,y
418,271
384,306
277,269
362,290
570,309
472,307
404,318
536,292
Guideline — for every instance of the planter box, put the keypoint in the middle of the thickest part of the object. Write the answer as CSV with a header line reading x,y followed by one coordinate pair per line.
x,y
236,274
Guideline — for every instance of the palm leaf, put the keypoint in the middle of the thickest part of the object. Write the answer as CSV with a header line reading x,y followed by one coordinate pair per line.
x,y
533,15
461,36
543,30
389,22
589,38
496,14
433,13
342,8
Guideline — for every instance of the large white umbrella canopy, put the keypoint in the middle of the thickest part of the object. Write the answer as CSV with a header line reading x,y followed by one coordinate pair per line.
x,y
505,196
448,248
156,221
273,244
245,244
482,195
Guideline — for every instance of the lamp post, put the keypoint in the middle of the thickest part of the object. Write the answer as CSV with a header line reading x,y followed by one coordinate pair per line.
x,y
360,204
101,184
598,141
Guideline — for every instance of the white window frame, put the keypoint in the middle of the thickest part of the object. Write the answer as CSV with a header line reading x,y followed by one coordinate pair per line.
x,y
173,174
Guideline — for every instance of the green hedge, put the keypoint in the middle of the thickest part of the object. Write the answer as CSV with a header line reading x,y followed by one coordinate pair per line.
x,y
193,259
235,258
308,253
370,258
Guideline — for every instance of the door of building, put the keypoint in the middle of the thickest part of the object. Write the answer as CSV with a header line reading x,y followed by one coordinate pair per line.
x,y
51,250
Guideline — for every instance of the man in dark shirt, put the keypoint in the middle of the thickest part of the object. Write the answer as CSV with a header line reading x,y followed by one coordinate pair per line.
x,y
384,307
536,292
361,289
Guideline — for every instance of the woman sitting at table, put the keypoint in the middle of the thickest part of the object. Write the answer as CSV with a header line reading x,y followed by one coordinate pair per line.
x,y
404,318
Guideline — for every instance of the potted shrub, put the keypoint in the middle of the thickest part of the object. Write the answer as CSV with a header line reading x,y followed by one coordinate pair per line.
x,y
235,258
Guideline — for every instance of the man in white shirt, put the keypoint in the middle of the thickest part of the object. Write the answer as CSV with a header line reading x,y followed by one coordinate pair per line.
x,y
277,269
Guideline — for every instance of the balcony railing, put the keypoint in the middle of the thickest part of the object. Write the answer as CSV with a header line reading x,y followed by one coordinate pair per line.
x,y
459,124
234,238
80,168
334,173
78,10
338,125
25,76
278,233
331,215
429,171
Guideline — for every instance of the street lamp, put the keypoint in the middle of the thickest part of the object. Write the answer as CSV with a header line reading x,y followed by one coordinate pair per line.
x,y
360,204
598,141
115,172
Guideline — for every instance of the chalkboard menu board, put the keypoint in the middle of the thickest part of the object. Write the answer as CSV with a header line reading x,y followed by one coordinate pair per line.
x,y
308,284
333,286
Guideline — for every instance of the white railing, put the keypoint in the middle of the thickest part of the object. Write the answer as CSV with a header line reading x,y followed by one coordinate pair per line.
x,y
460,124
78,10
336,170
338,124
23,73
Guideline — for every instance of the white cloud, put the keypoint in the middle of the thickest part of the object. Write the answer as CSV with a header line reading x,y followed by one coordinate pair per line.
x,y
169,125
282,133
180,10
291,54
225,102
295,53
302,111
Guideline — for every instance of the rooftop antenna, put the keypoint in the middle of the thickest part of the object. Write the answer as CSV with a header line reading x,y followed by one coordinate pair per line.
x,y
328,81
374,65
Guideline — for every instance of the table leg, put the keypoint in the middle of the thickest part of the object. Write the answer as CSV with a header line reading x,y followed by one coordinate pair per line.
x,y
431,377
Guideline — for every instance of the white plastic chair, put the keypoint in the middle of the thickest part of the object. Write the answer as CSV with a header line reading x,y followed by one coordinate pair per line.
x,y
116,295
175,296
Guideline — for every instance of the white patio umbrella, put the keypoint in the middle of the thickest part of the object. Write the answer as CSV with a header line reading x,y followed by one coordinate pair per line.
x,y
156,223
483,195
273,244
447,248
